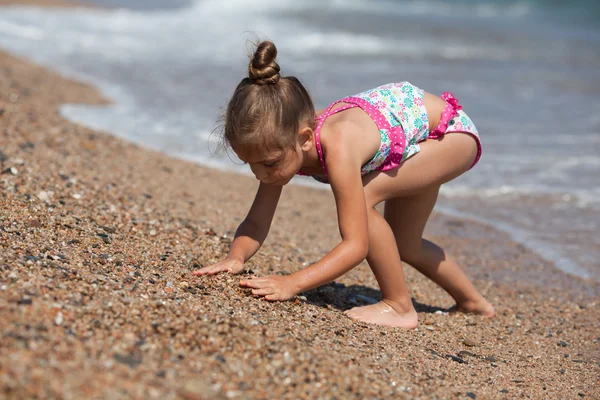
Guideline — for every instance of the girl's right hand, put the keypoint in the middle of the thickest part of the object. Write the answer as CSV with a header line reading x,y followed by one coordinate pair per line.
x,y
227,265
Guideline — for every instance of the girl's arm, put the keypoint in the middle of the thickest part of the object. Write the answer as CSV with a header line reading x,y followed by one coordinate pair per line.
x,y
251,233
343,165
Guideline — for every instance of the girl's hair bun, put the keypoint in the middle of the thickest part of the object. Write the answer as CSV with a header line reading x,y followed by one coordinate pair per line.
x,y
263,69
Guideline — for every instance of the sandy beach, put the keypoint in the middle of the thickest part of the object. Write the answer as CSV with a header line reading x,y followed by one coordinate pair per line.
x,y
98,239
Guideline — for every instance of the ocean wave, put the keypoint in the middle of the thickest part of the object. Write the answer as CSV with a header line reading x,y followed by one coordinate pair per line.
x,y
480,9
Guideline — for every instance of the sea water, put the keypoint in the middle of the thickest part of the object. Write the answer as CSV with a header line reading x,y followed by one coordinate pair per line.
x,y
527,72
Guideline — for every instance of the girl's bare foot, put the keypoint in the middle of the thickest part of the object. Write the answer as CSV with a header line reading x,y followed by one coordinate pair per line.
x,y
384,314
482,307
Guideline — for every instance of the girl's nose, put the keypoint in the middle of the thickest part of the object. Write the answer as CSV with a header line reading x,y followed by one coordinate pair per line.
x,y
259,173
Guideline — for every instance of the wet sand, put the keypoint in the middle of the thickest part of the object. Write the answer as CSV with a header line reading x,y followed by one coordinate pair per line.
x,y
98,239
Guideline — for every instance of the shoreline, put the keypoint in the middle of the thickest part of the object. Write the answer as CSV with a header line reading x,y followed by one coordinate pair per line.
x,y
98,238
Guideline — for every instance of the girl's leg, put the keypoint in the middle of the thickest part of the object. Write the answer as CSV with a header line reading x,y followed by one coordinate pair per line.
x,y
400,235
412,189
396,308
407,218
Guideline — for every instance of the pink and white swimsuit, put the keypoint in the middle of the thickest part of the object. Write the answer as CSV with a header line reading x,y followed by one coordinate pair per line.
x,y
398,110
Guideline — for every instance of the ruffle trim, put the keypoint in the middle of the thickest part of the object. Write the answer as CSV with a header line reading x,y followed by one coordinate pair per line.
x,y
450,111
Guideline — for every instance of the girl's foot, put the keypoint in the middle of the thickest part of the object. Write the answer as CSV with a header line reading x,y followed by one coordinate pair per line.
x,y
384,314
482,307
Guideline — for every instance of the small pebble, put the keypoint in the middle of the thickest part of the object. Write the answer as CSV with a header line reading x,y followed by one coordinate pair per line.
x,y
45,196
435,353
454,358
11,170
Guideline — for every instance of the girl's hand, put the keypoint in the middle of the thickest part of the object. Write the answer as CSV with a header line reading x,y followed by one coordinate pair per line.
x,y
227,265
273,287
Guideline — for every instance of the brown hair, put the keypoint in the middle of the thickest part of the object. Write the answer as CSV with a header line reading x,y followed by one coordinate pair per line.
x,y
267,110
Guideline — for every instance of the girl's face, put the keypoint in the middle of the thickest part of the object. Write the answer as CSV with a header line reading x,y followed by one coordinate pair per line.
x,y
276,167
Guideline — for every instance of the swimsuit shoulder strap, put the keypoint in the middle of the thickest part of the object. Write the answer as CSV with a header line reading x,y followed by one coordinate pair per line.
x,y
321,119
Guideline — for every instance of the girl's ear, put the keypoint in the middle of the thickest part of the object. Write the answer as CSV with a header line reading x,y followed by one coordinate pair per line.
x,y
306,138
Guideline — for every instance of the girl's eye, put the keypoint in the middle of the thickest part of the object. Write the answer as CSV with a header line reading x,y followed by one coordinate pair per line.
x,y
270,164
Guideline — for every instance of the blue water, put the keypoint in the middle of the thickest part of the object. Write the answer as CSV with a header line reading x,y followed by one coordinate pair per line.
x,y
527,72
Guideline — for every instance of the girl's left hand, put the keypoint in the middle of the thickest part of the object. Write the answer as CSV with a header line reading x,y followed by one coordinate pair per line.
x,y
273,287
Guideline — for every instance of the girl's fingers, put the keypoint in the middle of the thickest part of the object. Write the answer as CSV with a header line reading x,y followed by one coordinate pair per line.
x,y
262,292
252,283
205,271
222,266
201,272
210,271
214,271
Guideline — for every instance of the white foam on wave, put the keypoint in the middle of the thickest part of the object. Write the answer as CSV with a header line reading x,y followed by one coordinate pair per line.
x,y
26,31
444,8
361,45
395,7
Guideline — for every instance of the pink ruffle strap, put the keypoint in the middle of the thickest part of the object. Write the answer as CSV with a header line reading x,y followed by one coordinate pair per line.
x,y
450,111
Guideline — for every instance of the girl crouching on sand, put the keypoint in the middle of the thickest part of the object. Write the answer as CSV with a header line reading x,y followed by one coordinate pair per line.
x,y
391,144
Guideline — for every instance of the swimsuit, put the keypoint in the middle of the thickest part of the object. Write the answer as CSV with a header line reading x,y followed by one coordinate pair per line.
x,y
398,110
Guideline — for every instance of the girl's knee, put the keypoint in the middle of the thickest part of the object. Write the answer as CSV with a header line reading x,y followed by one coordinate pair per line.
x,y
421,253
411,253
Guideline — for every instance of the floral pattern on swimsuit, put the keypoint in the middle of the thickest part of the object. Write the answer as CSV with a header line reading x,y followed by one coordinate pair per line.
x,y
403,105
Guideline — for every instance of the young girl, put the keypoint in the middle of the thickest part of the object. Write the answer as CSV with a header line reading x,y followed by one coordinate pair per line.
x,y
391,144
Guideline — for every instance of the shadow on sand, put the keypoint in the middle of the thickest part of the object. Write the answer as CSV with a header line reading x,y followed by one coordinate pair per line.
x,y
342,297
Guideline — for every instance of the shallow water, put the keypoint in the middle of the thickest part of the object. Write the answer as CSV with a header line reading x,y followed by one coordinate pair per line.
x,y
528,74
